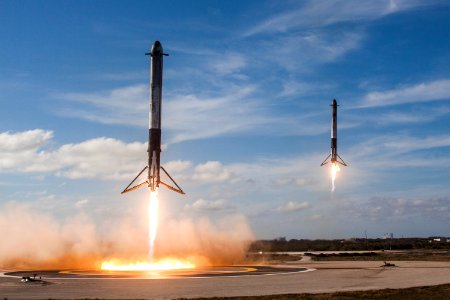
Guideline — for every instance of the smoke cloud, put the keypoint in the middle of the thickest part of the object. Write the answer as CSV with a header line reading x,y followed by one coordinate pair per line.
x,y
36,239
223,242
32,239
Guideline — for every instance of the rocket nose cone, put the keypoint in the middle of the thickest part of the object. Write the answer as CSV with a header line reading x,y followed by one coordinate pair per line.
x,y
157,48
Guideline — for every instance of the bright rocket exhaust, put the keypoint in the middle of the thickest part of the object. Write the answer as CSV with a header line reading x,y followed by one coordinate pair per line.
x,y
152,223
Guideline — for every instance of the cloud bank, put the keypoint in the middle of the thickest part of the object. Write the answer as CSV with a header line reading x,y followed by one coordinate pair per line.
x,y
101,158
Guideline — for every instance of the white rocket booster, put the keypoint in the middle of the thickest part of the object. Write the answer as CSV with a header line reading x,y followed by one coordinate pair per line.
x,y
154,127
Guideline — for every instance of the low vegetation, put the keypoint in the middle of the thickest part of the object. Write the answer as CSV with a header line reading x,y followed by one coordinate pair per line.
x,y
354,244
400,249
414,255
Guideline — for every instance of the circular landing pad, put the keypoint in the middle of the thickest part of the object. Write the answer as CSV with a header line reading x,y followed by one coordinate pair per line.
x,y
228,271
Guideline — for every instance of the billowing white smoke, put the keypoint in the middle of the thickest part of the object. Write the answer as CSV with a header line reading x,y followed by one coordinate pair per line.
x,y
30,238
223,242
34,239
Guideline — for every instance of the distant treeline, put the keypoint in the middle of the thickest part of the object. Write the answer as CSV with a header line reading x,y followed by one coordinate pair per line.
x,y
357,244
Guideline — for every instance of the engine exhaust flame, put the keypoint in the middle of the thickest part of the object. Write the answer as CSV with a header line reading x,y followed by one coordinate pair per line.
x,y
152,264
161,265
334,169
152,223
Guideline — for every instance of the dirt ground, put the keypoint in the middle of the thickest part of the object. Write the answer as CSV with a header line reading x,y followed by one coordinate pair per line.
x,y
327,277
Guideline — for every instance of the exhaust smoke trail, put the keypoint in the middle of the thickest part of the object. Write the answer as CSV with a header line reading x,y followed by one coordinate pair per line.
x,y
152,223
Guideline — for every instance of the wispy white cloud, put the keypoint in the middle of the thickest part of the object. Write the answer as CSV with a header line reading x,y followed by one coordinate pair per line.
x,y
81,203
395,117
382,154
212,171
298,88
230,63
178,166
288,173
292,206
186,116
118,98
378,209
218,180
192,117
299,52
208,205
124,106
313,14
409,144
397,144
421,92
425,115
309,33
298,182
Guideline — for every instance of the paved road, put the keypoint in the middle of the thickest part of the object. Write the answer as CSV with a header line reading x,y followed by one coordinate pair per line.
x,y
328,277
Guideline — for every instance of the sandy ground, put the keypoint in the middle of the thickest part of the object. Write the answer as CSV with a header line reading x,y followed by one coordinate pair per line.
x,y
328,277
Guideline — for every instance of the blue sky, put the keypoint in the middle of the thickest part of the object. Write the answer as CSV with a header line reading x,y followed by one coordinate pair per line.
x,y
246,116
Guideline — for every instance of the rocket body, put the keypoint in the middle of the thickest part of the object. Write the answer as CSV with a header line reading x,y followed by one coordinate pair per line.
x,y
153,179
334,131
334,157
154,128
